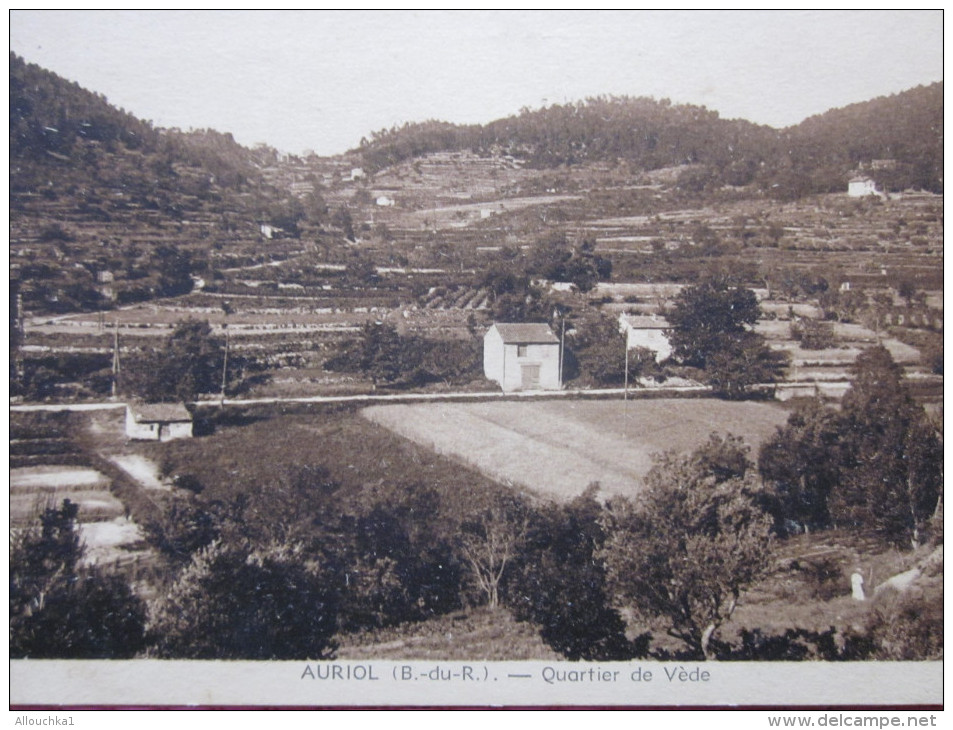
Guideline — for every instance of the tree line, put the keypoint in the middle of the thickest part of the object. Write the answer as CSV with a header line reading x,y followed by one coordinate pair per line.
x,y
814,156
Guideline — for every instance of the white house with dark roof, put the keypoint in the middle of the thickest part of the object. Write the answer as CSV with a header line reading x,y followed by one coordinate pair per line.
x,y
521,357
861,186
648,331
158,421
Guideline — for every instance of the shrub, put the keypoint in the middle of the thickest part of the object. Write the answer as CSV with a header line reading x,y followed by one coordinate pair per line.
x,y
233,602
62,610
908,626
813,334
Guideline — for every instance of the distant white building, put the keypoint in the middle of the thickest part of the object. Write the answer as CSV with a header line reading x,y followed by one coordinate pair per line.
x,y
384,201
859,187
158,421
648,331
522,357
357,173
268,232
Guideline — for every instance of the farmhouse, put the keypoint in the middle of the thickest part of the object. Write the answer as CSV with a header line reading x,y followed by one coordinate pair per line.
x,y
158,421
646,331
858,187
522,357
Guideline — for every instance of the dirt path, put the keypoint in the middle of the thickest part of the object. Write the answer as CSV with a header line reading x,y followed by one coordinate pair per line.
x,y
145,472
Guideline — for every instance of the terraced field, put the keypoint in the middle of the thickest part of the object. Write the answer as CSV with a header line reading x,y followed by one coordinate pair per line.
x,y
48,467
558,448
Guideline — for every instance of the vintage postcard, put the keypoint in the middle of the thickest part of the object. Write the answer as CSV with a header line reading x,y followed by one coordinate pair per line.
x,y
476,359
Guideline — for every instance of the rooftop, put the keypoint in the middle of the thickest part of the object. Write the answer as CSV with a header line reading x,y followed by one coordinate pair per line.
x,y
526,333
159,412
644,321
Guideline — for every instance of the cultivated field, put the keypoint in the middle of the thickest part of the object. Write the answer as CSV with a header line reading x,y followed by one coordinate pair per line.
x,y
558,448
50,466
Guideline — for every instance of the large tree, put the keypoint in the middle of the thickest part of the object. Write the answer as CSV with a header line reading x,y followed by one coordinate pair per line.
x,y
707,316
189,363
559,584
696,538
383,355
599,348
892,474
712,329
801,463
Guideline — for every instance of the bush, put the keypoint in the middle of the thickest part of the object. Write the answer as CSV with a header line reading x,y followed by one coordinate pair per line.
x,y
796,645
813,334
62,610
233,602
908,626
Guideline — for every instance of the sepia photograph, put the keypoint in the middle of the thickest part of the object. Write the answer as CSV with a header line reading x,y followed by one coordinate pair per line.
x,y
476,358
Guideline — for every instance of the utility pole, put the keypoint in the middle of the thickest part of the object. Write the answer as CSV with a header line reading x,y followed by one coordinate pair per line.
x,y
562,350
625,392
562,344
116,364
224,367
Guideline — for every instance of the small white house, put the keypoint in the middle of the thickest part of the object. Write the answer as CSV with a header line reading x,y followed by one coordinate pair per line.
x,y
269,232
648,331
158,421
522,357
384,201
859,187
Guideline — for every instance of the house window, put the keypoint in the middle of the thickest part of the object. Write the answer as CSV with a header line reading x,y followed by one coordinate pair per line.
x,y
522,350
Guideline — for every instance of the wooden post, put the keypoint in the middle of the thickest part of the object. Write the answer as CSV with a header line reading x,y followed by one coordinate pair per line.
x,y
562,347
224,368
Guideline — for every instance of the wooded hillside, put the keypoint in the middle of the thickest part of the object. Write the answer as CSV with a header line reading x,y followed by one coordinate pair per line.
x,y
811,157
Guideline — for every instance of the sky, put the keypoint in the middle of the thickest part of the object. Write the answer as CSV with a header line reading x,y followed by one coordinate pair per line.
x,y
321,80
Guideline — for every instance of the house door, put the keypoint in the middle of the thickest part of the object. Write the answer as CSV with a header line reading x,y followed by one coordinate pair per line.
x,y
530,377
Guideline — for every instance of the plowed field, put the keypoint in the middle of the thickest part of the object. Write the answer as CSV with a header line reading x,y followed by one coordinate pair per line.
x,y
557,448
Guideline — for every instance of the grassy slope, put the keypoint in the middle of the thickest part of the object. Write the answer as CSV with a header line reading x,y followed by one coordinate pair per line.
x,y
479,634
361,456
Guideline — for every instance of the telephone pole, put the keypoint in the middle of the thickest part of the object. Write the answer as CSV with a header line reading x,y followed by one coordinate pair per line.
x,y
625,392
224,368
562,348
117,367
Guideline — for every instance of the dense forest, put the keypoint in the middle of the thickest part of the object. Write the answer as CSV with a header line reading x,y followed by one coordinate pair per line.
x,y
811,157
